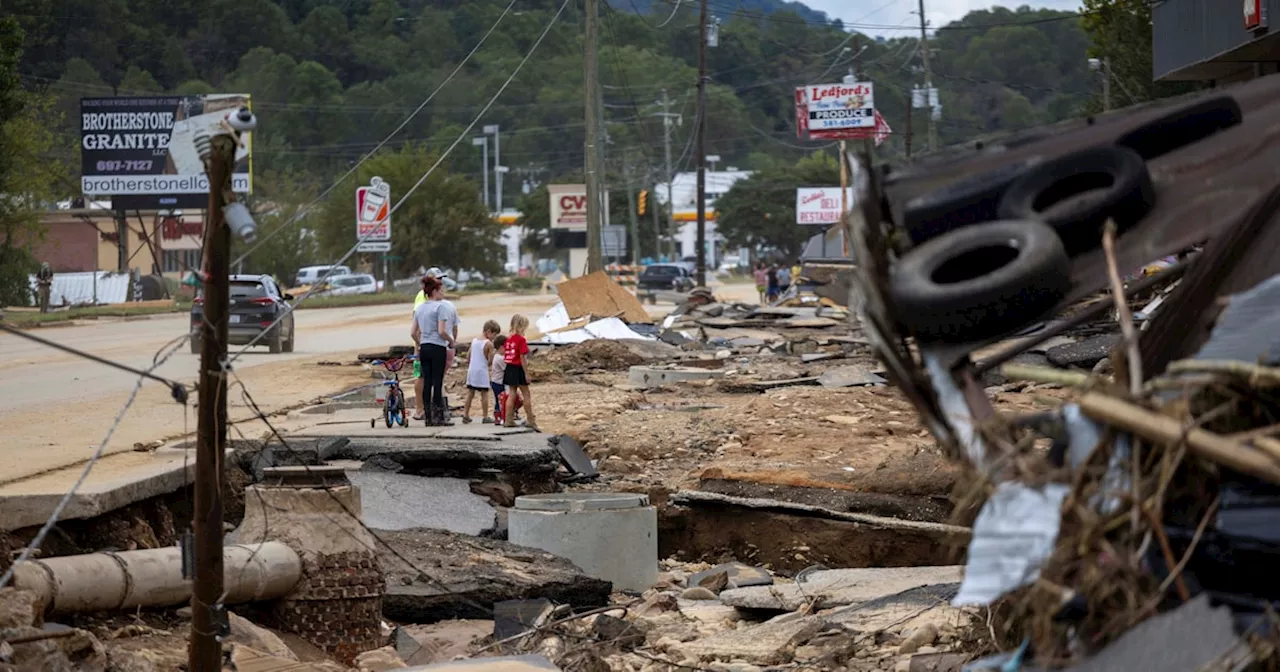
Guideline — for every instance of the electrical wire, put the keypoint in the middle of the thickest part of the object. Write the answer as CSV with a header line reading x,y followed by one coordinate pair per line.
x,y
351,171
405,199
160,358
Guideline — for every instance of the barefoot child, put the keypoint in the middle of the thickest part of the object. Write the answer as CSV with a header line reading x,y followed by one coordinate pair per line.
x,y
515,354
478,372
497,368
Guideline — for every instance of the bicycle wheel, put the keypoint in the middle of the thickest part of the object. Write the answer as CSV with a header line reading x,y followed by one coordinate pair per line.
x,y
386,412
403,414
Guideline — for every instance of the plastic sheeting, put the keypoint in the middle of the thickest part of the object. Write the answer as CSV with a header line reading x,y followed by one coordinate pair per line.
x,y
79,289
610,328
1014,534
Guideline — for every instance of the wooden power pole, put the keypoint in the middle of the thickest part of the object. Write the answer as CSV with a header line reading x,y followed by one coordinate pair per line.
x,y
589,86
205,651
928,79
701,146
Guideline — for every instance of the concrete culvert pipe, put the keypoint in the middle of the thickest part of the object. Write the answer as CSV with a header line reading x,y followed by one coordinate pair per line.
x,y
153,578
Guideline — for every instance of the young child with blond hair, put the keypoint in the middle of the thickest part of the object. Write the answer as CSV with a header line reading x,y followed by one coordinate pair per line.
x,y
478,371
516,354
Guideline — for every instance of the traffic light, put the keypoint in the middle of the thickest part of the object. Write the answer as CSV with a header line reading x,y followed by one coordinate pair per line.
x,y
643,205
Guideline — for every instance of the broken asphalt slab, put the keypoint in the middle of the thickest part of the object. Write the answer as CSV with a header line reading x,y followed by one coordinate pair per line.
x,y
391,501
840,587
849,376
456,576
422,449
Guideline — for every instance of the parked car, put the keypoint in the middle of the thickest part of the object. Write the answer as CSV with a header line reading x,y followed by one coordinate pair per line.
x,y
309,275
665,277
256,303
355,283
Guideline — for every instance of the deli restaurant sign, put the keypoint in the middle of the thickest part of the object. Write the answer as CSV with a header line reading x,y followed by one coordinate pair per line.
x,y
830,110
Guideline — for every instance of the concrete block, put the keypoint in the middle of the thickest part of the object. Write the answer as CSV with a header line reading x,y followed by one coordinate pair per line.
x,y
611,536
649,376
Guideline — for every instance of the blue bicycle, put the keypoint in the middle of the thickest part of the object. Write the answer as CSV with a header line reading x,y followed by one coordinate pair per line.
x,y
394,410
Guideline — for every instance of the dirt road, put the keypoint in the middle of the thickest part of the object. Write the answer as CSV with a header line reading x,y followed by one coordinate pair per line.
x,y
55,407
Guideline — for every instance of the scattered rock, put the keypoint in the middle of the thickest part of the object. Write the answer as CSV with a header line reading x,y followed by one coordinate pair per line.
x,y
501,494
19,608
849,376
763,644
922,636
1084,354
739,575
626,634
246,633
697,593
439,642
843,419
379,660
714,582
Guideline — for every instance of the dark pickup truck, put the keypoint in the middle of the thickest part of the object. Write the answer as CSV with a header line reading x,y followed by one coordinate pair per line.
x,y
663,278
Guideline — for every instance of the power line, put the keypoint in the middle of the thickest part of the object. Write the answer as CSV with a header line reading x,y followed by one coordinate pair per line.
x,y
404,199
350,171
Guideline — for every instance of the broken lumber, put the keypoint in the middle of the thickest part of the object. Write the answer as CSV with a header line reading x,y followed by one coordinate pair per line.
x,y
694,497
1166,430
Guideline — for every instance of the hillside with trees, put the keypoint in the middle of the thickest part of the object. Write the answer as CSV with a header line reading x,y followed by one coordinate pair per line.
x,y
330,78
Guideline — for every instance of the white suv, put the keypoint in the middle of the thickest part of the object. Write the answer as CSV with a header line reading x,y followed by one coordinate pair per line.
x,y
310,275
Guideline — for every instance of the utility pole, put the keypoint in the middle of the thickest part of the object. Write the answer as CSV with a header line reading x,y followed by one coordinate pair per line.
x,y
631,209
657,228
906,131
701,146
928,80
668,120
483,142
205,651
1106,84
492,129
590,90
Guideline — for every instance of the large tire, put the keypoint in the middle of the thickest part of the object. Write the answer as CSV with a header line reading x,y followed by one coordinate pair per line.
x,y
1182,127
981,281
970,200
275,342
288,344
1115,179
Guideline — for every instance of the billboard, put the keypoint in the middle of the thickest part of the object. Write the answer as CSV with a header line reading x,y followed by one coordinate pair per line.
x,y
819,206
569,206
140,150
835,111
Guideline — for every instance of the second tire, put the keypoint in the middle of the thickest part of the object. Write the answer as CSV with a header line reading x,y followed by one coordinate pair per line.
x,y
980,281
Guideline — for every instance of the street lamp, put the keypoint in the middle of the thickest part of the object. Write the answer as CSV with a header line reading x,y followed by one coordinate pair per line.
x,y
483,143
492,129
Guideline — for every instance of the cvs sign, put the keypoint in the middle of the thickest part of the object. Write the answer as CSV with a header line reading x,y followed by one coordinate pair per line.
x,y
568,206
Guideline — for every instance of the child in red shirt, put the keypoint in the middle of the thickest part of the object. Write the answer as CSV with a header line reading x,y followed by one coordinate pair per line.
x,y
515,353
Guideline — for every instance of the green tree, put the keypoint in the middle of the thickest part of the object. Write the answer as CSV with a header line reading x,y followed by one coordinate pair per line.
x,y
138,81
759,212
1120,32
25,175
277,199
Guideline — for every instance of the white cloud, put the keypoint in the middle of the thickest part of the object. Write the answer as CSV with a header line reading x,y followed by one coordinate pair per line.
x,y
903,12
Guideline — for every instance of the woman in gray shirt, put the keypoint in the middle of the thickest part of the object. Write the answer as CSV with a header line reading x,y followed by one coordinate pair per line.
x,y
435,329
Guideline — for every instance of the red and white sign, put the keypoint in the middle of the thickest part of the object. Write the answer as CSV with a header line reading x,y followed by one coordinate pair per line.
x,y
835,111
820,206
568,206
1253,18
373,211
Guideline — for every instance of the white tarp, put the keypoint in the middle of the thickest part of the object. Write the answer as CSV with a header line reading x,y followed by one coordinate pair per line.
x,y
610,328
79,289
1014,534
556,317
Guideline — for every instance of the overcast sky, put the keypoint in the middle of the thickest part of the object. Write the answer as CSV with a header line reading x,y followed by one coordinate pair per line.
x,y
902,12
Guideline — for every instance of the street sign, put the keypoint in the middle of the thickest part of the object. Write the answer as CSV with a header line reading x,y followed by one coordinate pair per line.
x,y
373,212
375,246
